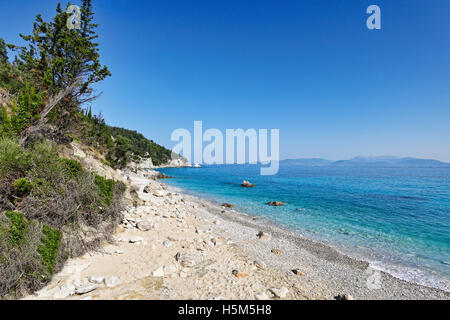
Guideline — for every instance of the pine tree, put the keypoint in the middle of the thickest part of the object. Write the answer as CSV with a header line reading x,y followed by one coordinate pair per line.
x,y
58,56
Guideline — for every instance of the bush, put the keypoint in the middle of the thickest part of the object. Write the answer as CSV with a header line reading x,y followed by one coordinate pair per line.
x,y
62,206
105,188
27,108
13,158
17,228
49,247
72,168
23,186
29,253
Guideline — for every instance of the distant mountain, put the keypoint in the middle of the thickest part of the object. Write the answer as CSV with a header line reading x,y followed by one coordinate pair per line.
x,y
372,162
385,162
306,162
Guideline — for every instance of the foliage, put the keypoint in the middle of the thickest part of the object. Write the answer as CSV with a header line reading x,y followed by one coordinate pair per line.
x,y
49,247
57,56
23,186
119,145
27,108
65,211
17,228
72,168
29,253
13,158
142,147
119,154
105,188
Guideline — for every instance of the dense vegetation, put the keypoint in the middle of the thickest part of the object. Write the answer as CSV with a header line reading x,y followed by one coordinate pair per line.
x,y
51,208
119,145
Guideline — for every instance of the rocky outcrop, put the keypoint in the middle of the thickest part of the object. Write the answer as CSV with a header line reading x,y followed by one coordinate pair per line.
x,y
160,175
276,203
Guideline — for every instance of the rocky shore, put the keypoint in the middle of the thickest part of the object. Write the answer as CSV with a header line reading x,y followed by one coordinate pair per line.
x,y
174,246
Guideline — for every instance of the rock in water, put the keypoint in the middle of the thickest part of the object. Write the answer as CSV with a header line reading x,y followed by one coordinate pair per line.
x,y
247,184
276,203
227,205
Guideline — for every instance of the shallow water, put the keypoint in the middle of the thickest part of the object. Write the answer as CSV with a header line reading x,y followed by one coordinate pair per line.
x,y
396,218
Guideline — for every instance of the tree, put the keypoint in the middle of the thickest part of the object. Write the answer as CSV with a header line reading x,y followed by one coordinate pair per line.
x,y
63,64
58,56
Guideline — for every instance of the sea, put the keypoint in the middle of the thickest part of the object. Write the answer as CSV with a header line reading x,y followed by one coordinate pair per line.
x,y
398,219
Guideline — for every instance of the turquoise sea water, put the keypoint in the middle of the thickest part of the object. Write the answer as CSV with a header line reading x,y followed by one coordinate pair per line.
x,y
396,218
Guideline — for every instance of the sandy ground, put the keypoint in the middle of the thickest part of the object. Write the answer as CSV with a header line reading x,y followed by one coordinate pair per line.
x,y
193,249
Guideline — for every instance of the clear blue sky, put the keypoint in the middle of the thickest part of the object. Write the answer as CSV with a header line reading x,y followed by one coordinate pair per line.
x,y
310,68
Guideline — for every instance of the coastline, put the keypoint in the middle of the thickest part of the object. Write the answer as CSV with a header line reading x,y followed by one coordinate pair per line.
x,y
321,248
195,249
244,226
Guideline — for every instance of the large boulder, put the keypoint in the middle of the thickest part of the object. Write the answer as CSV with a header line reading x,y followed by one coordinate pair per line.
x,y
145,225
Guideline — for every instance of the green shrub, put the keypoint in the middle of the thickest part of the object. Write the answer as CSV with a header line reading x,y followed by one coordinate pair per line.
x,y
29,253
49,247
72,168
17,228
23,186
5,123
13,159
105,188
27,108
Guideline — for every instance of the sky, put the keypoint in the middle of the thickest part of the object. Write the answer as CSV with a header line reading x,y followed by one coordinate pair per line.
x,y
311,69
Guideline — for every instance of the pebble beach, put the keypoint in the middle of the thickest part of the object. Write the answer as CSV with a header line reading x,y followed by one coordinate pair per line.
x,y
177,246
